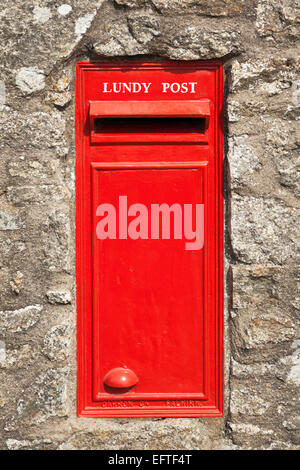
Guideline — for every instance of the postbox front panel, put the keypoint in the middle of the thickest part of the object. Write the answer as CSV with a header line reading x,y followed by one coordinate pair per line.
x,y
149,216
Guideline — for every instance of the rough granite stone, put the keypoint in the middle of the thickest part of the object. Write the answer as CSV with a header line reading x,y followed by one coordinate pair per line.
x,y
205,7
145,434
244,403
40,170
36,444
45,398
40,43
42,194
242,159
294,373
264,328
56,241
59,92
279,369
57,343
148,33
131,3
59,296
9,216
48,132
16,321
41,40
264,317
278,20
30,79
17,358
264,231
272,70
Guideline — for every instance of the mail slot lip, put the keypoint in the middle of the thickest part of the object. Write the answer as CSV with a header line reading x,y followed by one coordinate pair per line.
x,y
150,109
113,109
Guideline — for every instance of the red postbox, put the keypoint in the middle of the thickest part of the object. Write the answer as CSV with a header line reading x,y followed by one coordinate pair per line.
x,y
149,223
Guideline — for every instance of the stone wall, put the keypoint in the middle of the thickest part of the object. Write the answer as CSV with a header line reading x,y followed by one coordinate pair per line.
x,y
40,43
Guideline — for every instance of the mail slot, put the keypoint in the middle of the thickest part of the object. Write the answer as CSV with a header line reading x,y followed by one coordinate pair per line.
x,y
149,239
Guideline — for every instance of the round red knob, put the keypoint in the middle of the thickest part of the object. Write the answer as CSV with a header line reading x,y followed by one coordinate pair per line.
x,y
120,378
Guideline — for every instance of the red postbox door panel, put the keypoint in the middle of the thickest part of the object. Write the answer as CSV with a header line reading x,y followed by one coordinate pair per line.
x,y
149,215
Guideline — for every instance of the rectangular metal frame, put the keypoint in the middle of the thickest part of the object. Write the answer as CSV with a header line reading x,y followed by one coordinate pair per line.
x,y
207,154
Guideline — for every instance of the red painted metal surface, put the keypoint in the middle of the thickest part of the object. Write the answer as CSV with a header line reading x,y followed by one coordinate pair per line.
x,y
197,108
150,311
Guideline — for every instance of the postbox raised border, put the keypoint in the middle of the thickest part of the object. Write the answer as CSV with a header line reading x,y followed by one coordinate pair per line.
x,y
86,407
